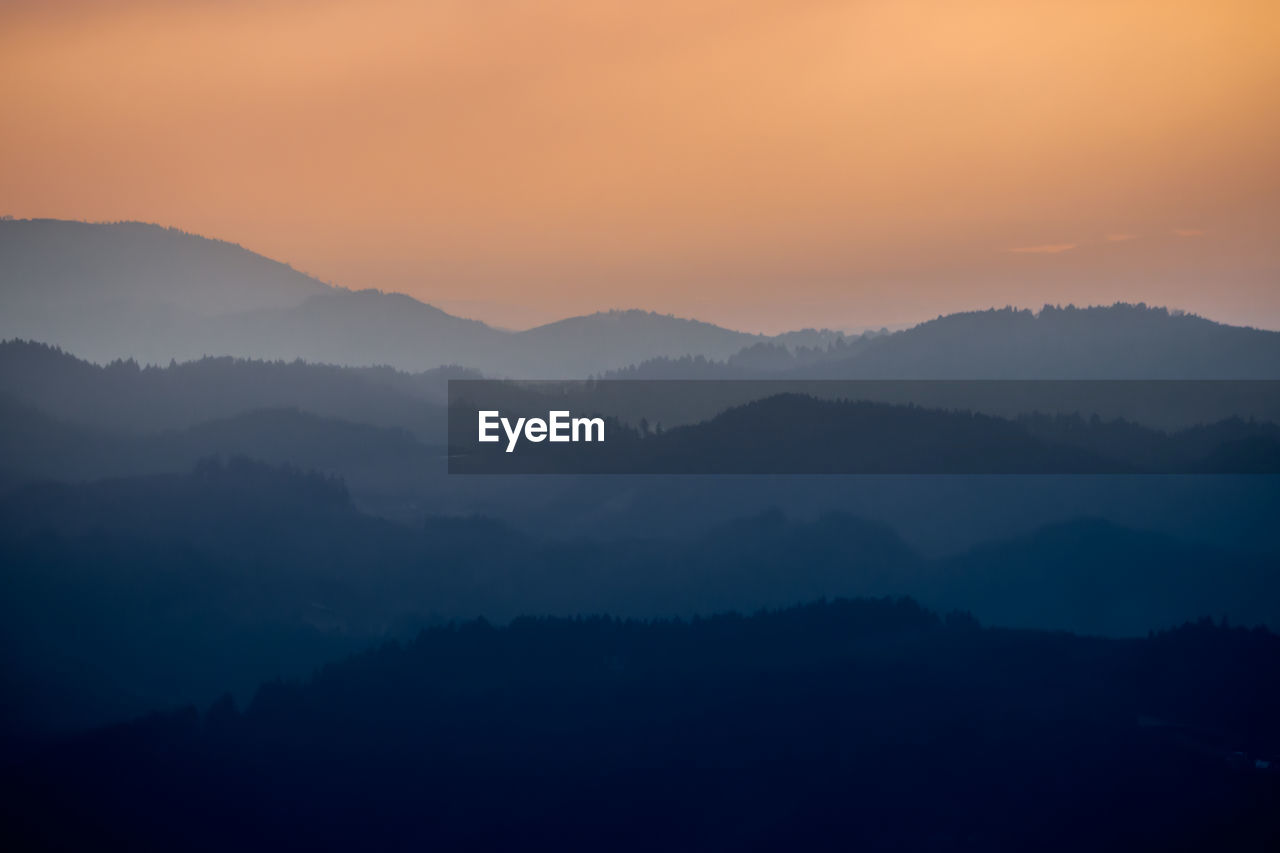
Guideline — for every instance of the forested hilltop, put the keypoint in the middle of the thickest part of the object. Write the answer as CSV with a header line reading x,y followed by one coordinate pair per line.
x,y
866,723
147,592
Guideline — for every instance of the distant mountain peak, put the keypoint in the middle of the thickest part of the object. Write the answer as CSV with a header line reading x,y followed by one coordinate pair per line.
x,y
107,291
90,264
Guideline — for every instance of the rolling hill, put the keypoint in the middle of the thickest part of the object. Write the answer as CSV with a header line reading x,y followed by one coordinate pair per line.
x,y
143,592
1120,341
131,290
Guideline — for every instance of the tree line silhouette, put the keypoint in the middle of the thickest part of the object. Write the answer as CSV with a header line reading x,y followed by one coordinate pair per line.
x,y
137,593
850,723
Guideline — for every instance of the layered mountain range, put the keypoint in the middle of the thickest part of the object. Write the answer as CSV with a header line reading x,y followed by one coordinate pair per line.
x,y
215,469
153,294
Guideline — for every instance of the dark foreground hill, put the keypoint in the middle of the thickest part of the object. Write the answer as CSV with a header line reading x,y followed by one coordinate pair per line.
x,y
150,592
869,724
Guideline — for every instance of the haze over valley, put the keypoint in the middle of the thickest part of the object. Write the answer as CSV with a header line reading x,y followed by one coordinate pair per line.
x,y
926,355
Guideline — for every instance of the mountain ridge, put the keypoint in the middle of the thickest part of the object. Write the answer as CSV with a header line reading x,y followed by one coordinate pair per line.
x,y
1119,341
110,291
238,550
156,294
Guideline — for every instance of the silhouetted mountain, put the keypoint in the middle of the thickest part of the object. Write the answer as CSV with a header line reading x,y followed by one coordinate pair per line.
x,y
129,289
365,327
789,353
139,291
1095,577
613,339
89,266
845,725
1117,342
48,398
125,396
370,327
34,446
134,291
136,593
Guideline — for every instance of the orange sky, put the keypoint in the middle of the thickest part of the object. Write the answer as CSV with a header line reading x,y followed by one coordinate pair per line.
x,y
760,163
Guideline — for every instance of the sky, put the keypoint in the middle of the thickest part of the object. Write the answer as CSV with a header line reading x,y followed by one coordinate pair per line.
x,y
763,164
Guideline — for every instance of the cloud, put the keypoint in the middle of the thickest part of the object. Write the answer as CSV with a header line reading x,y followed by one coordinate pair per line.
x,y
1048,249
1188,232
1121,238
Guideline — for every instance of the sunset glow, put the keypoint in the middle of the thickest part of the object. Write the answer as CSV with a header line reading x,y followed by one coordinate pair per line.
x,y
761,164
